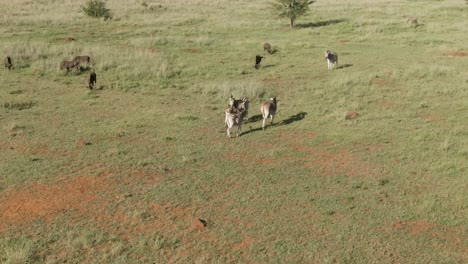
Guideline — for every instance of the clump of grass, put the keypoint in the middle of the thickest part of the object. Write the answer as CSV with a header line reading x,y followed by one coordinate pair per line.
x,y
97,9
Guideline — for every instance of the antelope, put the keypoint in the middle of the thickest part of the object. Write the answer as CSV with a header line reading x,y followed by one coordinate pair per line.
x,y
83,59
332,59
70,65
268,109
412,20
8,63
267,47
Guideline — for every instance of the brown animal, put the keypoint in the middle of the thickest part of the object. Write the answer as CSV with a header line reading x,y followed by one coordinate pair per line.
x,y
92,81
267,47
83,59
268,109
258,59
70,65
412,21
8,63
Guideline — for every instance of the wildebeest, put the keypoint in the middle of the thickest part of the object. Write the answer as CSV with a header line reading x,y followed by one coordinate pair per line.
x,y
234,117
332,59
83,59
70,65
258,59
268,109
267,47
8,62
92,80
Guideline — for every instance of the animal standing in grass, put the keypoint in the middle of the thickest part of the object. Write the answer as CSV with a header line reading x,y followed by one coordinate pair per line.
x,y
70,65
83,59
243,103
268,110
258,59
332,59
267,47
8,63
412,21
92,81
235,117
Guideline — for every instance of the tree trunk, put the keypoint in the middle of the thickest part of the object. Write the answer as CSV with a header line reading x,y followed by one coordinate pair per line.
x,y
292,22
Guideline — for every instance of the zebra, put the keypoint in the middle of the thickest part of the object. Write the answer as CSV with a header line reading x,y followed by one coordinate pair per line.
x,y
268,109
8,62
242,103
234,117
332,59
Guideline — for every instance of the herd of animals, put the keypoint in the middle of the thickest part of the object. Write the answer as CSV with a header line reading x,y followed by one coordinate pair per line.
x,y
237,109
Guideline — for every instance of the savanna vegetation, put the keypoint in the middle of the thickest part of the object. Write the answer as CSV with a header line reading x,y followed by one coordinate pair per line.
x,y
366,163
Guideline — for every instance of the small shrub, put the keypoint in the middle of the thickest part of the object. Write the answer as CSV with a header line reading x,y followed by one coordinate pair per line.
x,y
96,8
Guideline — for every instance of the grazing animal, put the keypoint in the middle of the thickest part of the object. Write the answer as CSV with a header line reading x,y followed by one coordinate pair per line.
x,y
234,117
70,65
258,59
332,59
242,103
268,109
92,81
267,47
83,59
8,63
412,21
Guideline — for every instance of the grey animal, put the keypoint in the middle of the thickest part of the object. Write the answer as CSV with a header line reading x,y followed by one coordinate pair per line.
x,y
258,59
240,104
70,65
234,117
267,47
268,109
92,81
8,63
332,59
83,59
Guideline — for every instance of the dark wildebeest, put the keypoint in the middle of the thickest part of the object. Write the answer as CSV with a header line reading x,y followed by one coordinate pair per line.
x,y
70,65
268,109
258,59
8,63
92,81
267,47
83,59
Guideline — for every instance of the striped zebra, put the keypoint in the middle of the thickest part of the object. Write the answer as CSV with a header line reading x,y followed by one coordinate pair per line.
x,y
332,59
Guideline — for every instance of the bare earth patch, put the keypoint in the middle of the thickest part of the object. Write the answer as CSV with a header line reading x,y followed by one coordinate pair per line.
x,y
430,117
456,54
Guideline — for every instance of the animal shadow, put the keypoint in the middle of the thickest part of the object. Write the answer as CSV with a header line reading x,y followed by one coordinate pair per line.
x,y
85,68
320,23
294,118
344,66
254,118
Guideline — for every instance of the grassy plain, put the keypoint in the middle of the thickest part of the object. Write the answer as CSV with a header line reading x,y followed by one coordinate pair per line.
x,y
121,174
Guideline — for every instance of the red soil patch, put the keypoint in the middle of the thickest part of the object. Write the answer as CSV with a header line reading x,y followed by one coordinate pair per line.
x,y
244,244
430,117
456,54
198,224
386,104
40,201
351,115
377,81
194,50
69,39
425,228
344,40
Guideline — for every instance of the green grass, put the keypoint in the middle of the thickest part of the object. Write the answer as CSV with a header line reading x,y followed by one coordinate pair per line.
x,y
117,175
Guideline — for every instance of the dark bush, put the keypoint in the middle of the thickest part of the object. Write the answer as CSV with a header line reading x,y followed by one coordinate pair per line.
x,y
96,8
